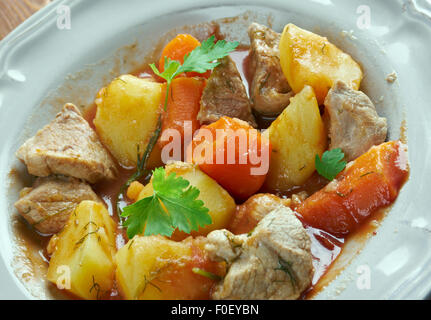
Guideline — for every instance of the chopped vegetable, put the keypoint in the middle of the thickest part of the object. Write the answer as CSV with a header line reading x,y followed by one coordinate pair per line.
x,y
84,252
238,159
331,163
183,105
126,117
296,136
369,183
309,59
173,205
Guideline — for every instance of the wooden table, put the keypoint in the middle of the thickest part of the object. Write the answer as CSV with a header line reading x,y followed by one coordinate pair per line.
x,y
13,12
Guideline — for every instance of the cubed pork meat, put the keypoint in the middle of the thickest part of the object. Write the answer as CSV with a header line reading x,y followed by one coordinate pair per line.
x,y
269,90
352,120
255,209
225,95
68,146
274,261
48,204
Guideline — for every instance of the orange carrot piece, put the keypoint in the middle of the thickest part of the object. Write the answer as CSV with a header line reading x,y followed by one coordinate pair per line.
x,y
236,177
183,105
177,49
369,183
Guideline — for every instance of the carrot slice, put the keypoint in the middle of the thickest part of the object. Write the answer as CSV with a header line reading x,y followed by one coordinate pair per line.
x,y
234,169
369,183
182,108
177,49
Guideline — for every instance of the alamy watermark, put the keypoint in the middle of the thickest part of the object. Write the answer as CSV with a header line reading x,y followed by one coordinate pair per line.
x,y
63,280
363,282
363,21
64,18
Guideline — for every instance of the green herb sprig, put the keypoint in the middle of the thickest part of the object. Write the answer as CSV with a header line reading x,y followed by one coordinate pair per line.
x,y
174,204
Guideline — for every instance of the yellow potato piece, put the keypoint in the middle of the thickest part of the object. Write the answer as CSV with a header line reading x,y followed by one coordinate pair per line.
x,y
296,136
82,262
220,204
309,59
126,117
153,267
142,260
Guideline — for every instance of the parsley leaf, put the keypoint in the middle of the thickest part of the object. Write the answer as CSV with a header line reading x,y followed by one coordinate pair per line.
x,y
202,58
170,69
205,57
174,204
331,163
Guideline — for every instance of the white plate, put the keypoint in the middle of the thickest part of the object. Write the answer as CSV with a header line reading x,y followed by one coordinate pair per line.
x,y
42,66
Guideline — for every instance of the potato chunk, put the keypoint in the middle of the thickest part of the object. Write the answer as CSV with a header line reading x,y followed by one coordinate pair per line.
x,y
220,204
309,59
297,135
126,117
154,267
84,251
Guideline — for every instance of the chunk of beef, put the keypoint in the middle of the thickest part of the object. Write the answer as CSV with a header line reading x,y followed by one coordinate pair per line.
x,y
67,146
269,91
48,204
225,95
354,125
273,262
